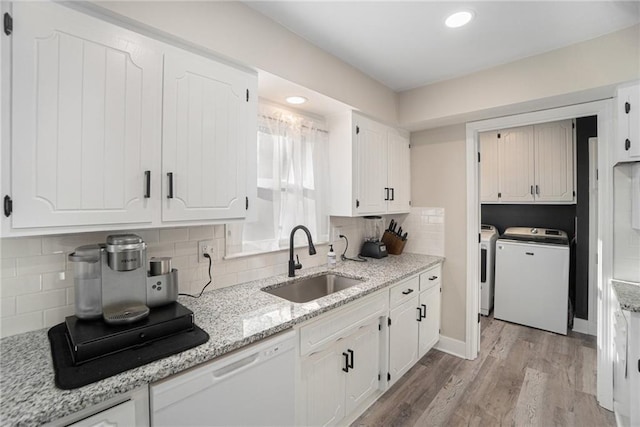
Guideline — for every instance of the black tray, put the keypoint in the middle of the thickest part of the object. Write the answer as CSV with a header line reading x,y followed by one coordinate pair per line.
x,y
69,376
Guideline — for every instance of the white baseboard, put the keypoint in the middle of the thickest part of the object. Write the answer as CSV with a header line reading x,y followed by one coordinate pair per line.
x,y
452,346
584,326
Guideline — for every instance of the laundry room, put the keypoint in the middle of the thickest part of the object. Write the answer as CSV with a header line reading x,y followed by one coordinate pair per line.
x,y
538,196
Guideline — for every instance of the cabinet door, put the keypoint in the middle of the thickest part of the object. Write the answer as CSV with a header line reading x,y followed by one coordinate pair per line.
x,y
628,123
362,380
515,160
207,126
398,173
123,414
371,168
430,325
323,383
85,119
488,167
403,338
554,159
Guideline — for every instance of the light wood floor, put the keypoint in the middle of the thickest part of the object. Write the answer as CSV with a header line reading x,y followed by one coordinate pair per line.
x,y
522,377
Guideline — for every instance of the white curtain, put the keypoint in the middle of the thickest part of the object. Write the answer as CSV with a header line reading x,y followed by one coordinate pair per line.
x,y
293,180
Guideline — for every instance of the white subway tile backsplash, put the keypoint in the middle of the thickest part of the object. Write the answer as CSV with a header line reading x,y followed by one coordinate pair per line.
x,y
14,248
57,280
21,323
7,306
20,286
41,301
37,288
41,264
204,232
7,268
174,234
53,316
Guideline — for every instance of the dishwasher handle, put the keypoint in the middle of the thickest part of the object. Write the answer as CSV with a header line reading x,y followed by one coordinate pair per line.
x,y
236,366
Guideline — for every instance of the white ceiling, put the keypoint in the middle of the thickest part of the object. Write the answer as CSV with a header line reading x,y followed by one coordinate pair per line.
x,y
404,45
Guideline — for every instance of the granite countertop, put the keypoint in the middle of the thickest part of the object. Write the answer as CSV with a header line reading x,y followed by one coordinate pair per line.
x,y
628,295
233,317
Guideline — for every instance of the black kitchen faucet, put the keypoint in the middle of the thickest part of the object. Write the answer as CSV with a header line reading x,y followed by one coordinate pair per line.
x,y
295,265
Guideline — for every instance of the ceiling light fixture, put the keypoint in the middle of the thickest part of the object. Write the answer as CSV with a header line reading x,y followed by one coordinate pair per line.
x,y
459,19
296,100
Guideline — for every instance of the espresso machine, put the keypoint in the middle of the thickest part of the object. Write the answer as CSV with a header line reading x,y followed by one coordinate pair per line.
x,y
373,246
112,281
121,301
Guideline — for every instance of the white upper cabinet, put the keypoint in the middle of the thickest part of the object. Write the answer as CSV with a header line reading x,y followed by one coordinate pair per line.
x,y
628,116
369,169
207,110
489,167
528,164
110,127
554,153
399,173
515,160
371,166
86,104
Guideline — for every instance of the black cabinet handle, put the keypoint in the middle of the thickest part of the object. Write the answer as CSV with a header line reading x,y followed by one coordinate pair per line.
x,y
393,193
537,189
170,191
386,190
531,190
627,107
407,292
351,365
147,184
433,277
346,362
424,312
627,144
419,319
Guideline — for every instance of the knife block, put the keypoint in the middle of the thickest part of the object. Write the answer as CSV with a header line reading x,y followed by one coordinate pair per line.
x,y
395,245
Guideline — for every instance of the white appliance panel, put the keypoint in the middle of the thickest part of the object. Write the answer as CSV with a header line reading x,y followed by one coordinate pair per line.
x,y
532,284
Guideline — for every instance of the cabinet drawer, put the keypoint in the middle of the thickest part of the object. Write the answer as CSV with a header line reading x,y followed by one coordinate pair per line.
x,y
319,333
431,277
404,290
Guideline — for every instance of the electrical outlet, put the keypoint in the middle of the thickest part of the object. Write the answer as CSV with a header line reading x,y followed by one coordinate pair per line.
x,y
335,233
206,247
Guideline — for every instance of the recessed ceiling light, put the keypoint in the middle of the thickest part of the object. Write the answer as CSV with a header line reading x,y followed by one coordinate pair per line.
x,y
296,100
459,19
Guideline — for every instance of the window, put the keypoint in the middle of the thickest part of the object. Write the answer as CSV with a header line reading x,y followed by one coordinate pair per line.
x,y
293,183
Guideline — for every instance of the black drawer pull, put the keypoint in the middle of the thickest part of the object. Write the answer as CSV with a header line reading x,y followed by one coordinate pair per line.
x,y
627,107
433,277
170,192
529,253
627,144
147,184
424,308
346,362
351,365
407,292
419,319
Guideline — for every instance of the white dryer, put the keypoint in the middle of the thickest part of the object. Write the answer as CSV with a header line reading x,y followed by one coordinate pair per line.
x,y
489,235
532,278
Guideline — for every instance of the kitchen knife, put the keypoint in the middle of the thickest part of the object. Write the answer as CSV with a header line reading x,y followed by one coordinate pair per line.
x,y
399,233
391,225
404,236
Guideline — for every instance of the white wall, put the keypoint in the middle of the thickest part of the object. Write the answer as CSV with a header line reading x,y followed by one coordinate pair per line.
x,y
581,72
438,178
234,30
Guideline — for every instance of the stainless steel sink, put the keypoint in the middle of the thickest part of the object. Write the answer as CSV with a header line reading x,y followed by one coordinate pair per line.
x,y
311,288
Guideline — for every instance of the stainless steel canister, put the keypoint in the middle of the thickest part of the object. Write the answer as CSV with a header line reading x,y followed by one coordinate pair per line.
x,y
159,266
125,252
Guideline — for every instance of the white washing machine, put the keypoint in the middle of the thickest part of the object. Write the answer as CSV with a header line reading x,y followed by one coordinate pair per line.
x,y
489,235
532,278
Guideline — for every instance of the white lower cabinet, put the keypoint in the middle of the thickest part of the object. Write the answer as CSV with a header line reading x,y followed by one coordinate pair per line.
x,y
414,320
341,362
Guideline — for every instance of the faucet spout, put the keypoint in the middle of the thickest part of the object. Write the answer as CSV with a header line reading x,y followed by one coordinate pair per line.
x,y
293,265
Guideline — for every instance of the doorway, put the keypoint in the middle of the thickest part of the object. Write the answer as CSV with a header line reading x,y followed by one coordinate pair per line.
x,y
603,111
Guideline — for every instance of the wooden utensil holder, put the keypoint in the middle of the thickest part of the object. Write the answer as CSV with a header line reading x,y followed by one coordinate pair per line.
x,y
394,244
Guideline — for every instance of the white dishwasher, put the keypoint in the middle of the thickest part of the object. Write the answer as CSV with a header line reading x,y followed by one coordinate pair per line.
x,y
251,387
